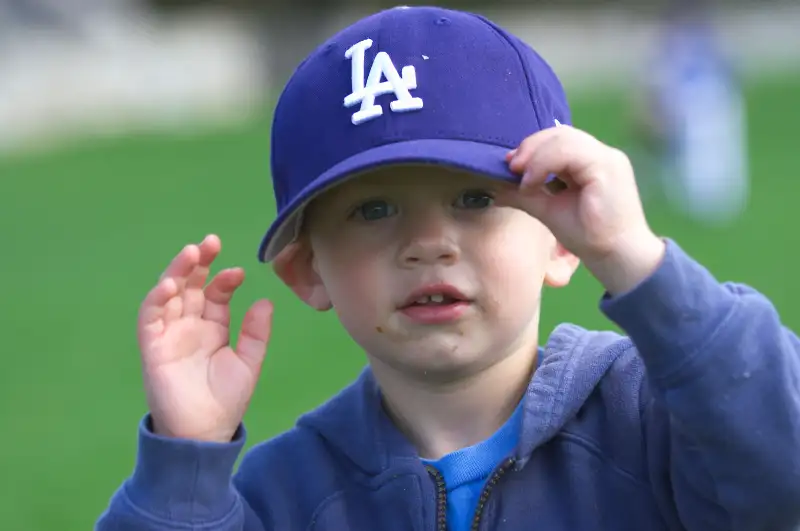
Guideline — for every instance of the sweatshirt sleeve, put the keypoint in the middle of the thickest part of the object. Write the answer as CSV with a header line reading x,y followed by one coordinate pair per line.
x,y
180,484
722,411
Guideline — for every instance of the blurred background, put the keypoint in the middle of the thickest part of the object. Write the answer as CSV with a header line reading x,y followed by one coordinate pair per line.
x,y
130,127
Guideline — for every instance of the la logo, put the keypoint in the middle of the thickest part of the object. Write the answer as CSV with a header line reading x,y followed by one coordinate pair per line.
x,y
365,93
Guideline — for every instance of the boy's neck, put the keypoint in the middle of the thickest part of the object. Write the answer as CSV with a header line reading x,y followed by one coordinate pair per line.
x,y
442,418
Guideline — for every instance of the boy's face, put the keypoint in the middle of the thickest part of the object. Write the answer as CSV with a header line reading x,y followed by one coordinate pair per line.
x,y
375,240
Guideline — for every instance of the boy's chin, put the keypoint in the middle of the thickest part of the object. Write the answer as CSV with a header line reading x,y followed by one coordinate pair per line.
x,y
437,360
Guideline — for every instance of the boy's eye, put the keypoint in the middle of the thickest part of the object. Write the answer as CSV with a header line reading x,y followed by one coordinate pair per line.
x,y
373,210
474,199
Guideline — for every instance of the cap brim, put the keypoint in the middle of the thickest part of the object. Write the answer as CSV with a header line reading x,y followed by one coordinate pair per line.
x,y
476,157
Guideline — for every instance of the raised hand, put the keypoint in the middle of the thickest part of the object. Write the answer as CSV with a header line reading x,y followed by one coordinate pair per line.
x,y
198,386
593,209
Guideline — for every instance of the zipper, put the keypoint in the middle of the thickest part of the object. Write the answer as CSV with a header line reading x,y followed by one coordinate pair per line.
x,y
441,498
487,490
441,494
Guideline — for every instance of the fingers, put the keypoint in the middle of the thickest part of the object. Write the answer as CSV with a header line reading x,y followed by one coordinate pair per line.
x,y
178,271
151,313
218,295
182,265
254,336
181,290
193,298
187,272
209,250
564,152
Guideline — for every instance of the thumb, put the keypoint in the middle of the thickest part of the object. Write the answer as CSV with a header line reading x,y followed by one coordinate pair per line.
x,y
251,346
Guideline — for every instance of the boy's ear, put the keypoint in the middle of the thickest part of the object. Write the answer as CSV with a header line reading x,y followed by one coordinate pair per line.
x,y
561,267
295,267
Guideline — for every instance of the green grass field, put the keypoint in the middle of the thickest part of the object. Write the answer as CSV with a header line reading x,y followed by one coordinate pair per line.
x,y
86,232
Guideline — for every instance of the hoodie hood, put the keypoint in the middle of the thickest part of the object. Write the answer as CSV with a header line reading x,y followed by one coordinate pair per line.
x,y
574,362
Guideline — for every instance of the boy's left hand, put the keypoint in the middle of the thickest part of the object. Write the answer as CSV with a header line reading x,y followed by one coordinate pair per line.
x,y
593,209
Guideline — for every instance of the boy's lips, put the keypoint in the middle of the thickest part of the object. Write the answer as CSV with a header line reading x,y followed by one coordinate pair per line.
x,y
432,293
435,304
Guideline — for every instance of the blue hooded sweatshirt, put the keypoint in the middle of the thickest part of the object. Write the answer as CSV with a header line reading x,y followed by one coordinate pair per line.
x,y
691,422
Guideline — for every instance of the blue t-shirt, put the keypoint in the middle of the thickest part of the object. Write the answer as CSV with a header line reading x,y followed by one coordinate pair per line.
x,y
465,471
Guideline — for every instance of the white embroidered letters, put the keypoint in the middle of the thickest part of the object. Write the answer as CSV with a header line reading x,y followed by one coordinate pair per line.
x,y
365,93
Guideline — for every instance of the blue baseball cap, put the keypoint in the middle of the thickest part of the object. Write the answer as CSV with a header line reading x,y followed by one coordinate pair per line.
x,y
408,85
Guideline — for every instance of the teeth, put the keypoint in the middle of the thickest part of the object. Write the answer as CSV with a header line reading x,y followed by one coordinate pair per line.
x,y
437,298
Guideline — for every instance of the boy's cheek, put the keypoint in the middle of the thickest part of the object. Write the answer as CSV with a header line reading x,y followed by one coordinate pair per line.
x,y
355,279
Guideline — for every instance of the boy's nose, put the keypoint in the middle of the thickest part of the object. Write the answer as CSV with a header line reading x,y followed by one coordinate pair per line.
x,y
430,244
429,252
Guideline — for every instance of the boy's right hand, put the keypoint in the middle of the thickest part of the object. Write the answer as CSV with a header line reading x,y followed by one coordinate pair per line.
x,y
198,387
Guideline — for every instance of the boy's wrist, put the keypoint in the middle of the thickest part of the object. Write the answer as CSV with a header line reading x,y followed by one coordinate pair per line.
x,y
633,261
223,436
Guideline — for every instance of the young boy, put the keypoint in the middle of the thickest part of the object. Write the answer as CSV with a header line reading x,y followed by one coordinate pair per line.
x,y
398,148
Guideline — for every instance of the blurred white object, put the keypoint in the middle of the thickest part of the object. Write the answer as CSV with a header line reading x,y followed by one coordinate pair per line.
x,y
695,111
708,175
116,68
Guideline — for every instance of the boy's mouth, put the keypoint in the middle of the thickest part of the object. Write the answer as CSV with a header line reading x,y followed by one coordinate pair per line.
x,y
439,304
437,299
437,295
